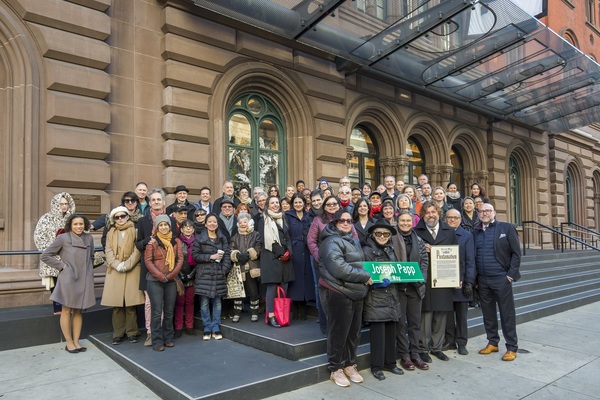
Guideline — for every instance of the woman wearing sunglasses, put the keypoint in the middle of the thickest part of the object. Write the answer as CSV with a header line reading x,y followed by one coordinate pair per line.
x,y
343,286
121,288
382,304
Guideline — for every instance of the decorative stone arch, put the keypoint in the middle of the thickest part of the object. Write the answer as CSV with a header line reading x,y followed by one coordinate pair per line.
x,y
433,135
570,36
468,142
285,93
20,81
574,167
523,155
379,118
596,197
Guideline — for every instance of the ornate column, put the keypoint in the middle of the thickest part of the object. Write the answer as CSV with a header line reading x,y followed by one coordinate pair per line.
x,y
401,168
445,172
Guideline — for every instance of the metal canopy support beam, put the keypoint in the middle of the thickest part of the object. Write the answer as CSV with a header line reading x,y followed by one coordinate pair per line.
x,y
307,21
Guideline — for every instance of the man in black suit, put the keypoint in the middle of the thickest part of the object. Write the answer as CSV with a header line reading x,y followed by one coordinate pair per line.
x,y
437,302
229,194
181,194
498,259
227,219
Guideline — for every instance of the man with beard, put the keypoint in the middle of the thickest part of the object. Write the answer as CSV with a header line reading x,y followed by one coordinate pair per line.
x,y
437,302
425,192
498,259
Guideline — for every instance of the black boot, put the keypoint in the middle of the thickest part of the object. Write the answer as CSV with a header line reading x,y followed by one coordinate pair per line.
x,y
302,310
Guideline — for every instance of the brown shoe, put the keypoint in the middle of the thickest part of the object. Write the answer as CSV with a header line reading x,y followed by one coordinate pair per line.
x,y
352,373
407,364
420,364
489,349
169,344
509,356
159,347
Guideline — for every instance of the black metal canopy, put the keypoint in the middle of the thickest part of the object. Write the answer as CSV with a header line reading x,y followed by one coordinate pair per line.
x,y
488,55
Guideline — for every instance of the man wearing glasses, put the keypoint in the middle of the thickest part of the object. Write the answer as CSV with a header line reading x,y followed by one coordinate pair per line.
x,y
498,258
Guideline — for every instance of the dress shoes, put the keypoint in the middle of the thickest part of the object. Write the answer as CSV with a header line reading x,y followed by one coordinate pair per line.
x,y
449,346
489,349
378,374
169,344
440,355
190,331
425,357
407,364
273,322
159,347
395,370
420,364
82,349
462,350
509,356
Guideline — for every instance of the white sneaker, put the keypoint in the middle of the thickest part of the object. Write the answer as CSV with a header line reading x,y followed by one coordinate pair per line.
x,y
352,373
339,378
217,335
206,336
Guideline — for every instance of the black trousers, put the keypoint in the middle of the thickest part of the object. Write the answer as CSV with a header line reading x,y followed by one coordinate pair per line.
x,y
344,321
497,290
408,328
456,324
383,345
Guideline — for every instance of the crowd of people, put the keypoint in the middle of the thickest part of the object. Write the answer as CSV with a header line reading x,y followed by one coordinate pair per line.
x,y
176,258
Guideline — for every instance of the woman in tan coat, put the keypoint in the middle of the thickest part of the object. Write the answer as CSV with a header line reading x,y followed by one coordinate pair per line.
x,y
121,287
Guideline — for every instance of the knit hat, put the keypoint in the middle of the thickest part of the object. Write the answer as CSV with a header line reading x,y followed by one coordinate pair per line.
x,y
116,210
162,218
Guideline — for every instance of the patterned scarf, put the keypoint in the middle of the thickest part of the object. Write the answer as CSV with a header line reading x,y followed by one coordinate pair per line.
x,y
166,241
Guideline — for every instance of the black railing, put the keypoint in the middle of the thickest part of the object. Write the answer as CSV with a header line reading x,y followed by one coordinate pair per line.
x,y
582,231
558,237
31,252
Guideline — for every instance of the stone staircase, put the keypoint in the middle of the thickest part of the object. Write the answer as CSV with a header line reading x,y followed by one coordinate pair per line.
x,y
256,361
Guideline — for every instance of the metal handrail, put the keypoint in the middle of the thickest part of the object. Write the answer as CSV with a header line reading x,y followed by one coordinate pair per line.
x,y
562,235
32,252
581,229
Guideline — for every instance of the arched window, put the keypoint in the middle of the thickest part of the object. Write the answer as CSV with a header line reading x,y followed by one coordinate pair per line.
x,y
457,170
255,142
570,198
363,166
416,161
514,182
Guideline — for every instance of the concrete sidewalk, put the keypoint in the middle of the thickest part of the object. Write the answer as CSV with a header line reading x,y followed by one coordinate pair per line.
x,y
562,362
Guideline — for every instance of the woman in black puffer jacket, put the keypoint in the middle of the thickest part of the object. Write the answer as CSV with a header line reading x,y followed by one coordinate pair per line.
x,y
211,252
382,304
342,287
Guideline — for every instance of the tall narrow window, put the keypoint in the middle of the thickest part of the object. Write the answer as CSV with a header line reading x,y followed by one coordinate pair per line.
x,y
590,11
256,139
363,166
515,191
570,198
416,161
457,170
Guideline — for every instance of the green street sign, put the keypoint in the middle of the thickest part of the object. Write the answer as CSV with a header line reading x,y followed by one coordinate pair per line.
x,y
396,272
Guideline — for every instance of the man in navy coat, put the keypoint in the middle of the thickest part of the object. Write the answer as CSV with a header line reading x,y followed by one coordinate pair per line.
x,y
498,259
456,323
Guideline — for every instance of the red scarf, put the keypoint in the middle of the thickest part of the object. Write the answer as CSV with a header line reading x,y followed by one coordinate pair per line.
x,y
375,210
344,203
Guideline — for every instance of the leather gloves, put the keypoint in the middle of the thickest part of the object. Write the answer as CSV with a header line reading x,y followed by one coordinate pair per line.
x,y
467,289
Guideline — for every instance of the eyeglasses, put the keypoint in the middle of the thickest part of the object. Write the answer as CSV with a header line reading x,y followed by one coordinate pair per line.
x,y
226,206
382,234
200,214
130,201
485,211
344,221
331,204
120,217
452,218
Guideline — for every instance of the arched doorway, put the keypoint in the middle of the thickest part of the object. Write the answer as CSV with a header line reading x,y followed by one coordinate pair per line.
x,y
416,161
514,187
255,142
363,165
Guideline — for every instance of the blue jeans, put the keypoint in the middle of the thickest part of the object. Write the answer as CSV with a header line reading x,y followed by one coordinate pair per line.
x,y
213,324
162,301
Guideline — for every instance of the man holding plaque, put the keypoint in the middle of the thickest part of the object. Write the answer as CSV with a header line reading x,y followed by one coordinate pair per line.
x,y
438,301
498,259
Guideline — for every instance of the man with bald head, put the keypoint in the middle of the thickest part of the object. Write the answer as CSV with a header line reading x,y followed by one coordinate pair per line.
x,y
498,259
456,322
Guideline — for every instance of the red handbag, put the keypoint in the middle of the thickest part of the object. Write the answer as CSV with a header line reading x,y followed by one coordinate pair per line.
x,y
281,308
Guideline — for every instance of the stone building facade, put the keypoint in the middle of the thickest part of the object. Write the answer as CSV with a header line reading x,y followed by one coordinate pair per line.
x,y
100,94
